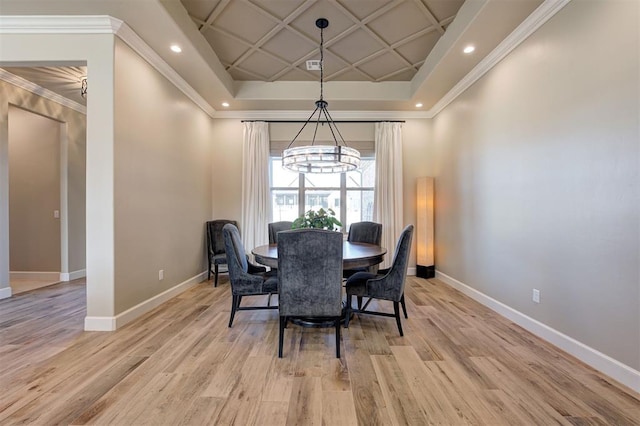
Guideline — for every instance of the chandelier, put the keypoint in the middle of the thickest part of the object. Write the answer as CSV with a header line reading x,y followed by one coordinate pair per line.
x,y
83,87
336,158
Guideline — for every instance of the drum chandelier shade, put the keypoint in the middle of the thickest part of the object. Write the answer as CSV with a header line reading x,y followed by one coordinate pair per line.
x,y
336,158
321,159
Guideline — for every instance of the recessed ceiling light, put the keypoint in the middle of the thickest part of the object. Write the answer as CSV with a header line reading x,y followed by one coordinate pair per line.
x,y
419,105
176,48
225,104
469,49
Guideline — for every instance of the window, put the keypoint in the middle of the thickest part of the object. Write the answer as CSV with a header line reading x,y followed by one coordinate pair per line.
x,y
349,194
284,192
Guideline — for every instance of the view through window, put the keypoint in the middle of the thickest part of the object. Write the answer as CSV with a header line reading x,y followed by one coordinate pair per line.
x,y
349,194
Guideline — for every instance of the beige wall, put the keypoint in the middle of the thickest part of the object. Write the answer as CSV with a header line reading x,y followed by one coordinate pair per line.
x,y
96,50
226,169
416,162
76,187
34,192
537,179
162,192
227,161
153,198
74,126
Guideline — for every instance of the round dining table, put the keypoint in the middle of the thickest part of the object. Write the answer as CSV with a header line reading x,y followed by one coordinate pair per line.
x,y
354,255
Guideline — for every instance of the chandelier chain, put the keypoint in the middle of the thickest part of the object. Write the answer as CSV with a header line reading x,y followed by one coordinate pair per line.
x,y
321,62
324,158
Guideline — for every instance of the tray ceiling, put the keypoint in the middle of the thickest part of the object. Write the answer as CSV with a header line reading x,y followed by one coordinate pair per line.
x,y
380,55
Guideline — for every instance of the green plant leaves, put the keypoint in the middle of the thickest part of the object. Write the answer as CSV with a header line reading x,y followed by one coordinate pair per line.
x,y
322,219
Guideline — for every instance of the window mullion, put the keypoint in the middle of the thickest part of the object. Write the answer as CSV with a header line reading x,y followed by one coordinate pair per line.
x,y
301,195
343,201
361,194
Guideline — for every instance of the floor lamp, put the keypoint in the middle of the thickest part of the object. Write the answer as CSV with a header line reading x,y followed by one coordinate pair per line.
x,y
425,267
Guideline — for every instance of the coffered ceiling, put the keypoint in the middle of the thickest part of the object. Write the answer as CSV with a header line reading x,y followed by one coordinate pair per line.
x,y
373,40
380,55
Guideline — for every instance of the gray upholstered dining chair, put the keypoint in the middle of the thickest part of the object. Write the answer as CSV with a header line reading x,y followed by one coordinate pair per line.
x,y
215,246
276,227
363,232
246,279
387,286
310,278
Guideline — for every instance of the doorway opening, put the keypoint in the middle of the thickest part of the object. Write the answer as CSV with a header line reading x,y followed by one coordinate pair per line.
x,y
35,163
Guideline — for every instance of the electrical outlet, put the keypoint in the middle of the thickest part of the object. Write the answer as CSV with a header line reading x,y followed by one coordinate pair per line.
x,y
536,295
56,214
161,275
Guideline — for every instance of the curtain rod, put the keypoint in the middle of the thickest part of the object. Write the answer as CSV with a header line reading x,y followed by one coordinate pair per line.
x,y
323,122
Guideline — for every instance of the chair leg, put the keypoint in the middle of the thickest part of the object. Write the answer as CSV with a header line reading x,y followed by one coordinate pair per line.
x,y
348,311
283,324
404,306
215,275
209,271
396,310
359,302
235,302
338,338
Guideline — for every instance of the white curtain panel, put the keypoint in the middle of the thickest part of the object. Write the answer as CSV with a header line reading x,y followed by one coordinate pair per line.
x,y
387,208
255,185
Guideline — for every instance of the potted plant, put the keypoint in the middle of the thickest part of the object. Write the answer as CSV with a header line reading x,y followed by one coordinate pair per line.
x,y
322,219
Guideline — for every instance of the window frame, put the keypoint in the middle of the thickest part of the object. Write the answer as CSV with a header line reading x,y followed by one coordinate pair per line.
x,y
302,189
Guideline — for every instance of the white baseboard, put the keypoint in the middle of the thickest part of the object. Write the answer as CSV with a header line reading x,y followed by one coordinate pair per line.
x,y
5,293
99,323
34,275
70,276
113,323
411,271
596,359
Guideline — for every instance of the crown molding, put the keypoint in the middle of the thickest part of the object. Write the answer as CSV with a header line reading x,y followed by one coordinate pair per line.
x,y
534,21
100,25
69,24
336,115
539,16
148,54
41,91
107,24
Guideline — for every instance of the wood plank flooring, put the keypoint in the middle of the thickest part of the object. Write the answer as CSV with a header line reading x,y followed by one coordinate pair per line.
x,y
458,363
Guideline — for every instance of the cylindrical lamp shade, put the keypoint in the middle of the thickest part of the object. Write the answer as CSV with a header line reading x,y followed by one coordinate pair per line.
x,y
425,267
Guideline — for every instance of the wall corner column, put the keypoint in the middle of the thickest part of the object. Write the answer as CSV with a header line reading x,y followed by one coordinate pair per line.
x,y
100,189
5,287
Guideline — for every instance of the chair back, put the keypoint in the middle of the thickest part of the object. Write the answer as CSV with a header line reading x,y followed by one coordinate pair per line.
x,y
215,240
276,227
236,256
398,272
365,232
310,273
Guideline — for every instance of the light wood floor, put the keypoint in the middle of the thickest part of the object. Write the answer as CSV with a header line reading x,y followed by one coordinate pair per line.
x,y
459,363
